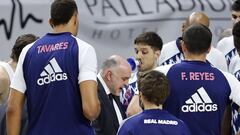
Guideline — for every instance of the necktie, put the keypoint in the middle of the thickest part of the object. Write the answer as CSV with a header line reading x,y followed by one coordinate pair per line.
x,y
119,104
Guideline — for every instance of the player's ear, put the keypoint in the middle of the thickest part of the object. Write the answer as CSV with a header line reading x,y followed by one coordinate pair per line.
x,y
157,53
50,22
183,46
209,49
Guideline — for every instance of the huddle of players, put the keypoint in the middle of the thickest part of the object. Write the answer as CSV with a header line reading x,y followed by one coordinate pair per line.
x,y
200,91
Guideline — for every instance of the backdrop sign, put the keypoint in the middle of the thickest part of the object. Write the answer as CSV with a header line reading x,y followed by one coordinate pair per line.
x,y
111,25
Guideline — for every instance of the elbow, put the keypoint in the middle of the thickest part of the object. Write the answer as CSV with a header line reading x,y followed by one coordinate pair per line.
x,y
91,112
11,111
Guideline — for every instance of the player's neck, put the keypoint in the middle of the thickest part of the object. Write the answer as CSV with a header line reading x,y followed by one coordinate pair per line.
x,y
148,106
62,28
153,67
194,57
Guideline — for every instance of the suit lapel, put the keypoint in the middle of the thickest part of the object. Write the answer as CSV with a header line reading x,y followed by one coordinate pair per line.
x,y
108,105
120,106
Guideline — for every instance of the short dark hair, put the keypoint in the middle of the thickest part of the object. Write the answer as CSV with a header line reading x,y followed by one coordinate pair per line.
x,y
236,29
154,86
236,35
62,11
236,5
20,43
150,38
197,38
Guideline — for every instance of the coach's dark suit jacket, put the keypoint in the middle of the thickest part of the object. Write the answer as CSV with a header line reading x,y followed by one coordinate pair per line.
x,y
107,122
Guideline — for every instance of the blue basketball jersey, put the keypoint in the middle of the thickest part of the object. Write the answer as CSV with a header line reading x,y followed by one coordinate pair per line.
x,y
199,94
153,122
51,72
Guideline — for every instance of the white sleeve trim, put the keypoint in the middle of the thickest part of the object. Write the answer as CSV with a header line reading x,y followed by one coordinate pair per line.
x,y
235,87
87,62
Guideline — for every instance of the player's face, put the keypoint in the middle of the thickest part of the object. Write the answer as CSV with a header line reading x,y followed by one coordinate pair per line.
x,y
235,16
147,57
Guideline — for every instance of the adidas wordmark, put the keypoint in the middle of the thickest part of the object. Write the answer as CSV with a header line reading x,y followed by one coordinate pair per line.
x,y
199,102
51,73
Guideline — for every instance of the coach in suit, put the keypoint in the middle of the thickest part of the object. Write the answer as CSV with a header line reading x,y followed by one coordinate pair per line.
x,y
112,78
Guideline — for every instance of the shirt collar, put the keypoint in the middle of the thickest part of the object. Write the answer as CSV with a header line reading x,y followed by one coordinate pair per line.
x,y
103,83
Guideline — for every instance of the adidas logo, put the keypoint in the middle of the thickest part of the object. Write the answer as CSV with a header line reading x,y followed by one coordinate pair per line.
x,y
51,73
199,102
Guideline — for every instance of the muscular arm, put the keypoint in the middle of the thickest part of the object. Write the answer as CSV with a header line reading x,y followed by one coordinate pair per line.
x,y
226,122
14,112
90,101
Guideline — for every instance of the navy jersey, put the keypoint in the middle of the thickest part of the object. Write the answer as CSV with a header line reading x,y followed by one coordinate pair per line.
x,y
153,122
199,94
49,74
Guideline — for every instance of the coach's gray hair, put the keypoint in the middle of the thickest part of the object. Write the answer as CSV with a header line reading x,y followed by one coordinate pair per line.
x,y
111,62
